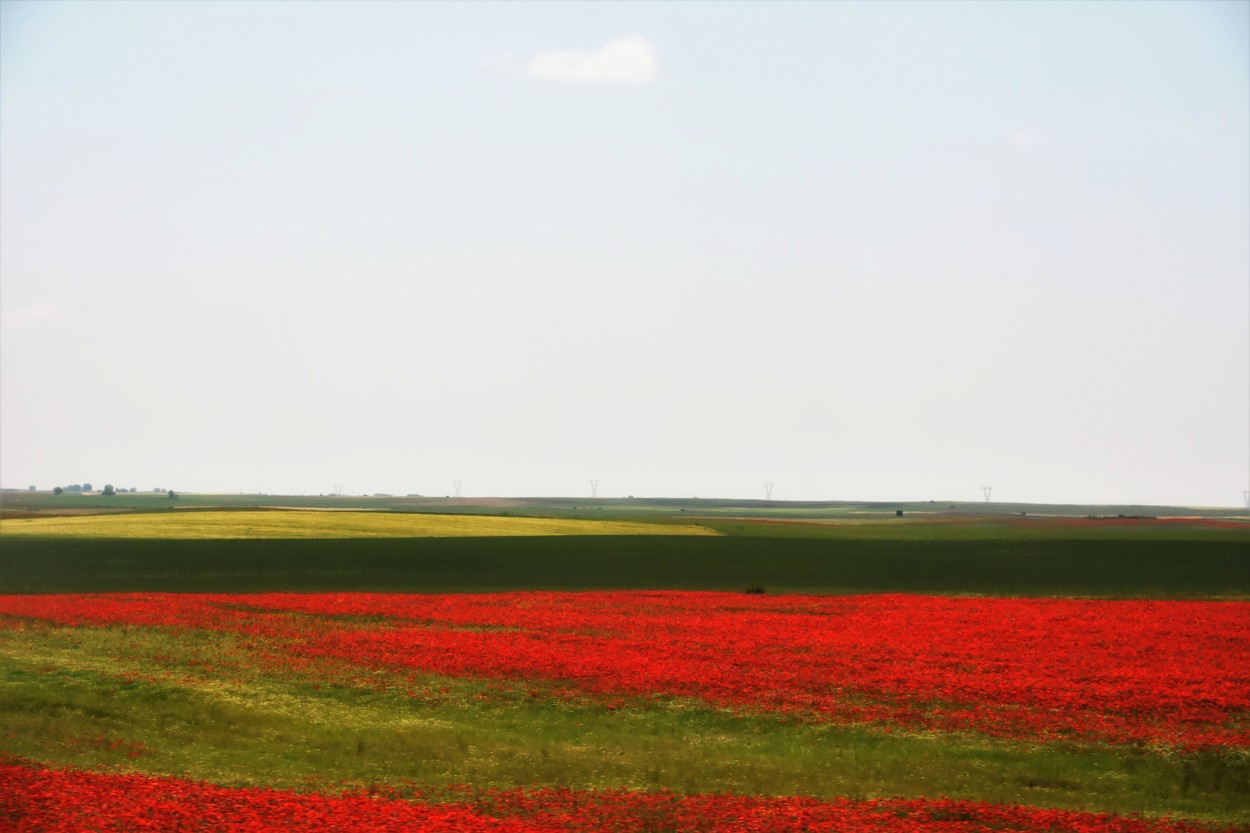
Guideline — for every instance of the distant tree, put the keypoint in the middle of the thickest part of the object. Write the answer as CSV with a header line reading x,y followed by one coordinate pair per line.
x,y
108,490
86,487
32,489
173,495
132,490
57,490
74,488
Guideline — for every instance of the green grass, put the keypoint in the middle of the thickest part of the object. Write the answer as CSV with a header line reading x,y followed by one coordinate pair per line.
x,y
90,697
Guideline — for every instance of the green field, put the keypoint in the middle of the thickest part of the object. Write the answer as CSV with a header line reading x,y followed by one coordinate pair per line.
x,y
992,557
188,704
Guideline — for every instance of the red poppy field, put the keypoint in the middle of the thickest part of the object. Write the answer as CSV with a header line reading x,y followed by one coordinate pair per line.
x,y
1164,673
38,800
1167,680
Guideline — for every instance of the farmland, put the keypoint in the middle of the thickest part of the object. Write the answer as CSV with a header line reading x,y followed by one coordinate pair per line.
x,y
292,524
865,553
950,673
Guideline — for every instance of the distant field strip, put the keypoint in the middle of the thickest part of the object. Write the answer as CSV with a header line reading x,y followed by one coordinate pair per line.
x,y
301,524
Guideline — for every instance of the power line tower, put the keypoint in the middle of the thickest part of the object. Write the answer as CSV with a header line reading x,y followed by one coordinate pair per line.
x,y
987,490
594,488
338,489
457,483
768,491
1245,493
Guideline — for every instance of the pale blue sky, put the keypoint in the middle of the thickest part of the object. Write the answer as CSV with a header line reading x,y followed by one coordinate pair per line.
x,y
878,251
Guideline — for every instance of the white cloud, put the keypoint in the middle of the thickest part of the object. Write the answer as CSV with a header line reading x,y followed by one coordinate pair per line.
x,y
619,61
1029,139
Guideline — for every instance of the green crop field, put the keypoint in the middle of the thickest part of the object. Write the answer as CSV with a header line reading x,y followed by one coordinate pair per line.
x,y
310,551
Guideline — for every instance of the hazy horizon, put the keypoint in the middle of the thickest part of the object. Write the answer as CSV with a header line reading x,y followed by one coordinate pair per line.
x,y
861,251
939,503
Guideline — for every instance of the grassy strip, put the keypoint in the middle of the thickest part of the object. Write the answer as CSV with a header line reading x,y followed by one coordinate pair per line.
x,y
1198,566
70,696
1053,531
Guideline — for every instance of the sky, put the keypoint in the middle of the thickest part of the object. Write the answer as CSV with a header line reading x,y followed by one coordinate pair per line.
x,y
860,251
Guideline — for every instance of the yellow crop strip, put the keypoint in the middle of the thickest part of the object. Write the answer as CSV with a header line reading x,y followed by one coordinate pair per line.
x,y
306,524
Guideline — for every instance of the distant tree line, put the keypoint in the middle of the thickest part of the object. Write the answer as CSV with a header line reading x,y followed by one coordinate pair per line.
x,y
108,491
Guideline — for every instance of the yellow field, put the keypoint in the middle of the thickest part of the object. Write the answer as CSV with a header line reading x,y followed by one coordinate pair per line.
x,y
312,524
